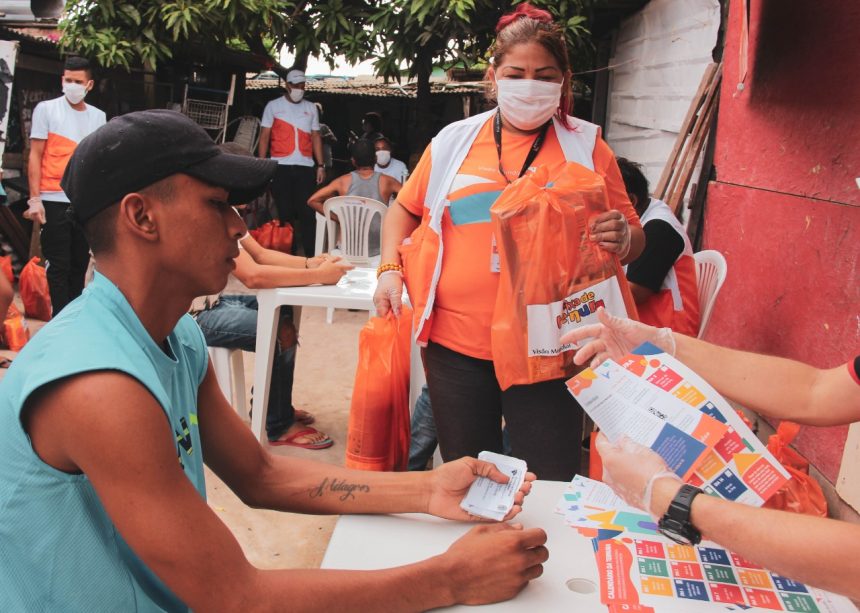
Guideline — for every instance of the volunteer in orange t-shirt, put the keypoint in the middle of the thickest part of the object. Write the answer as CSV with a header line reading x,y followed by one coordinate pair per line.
x,y
448,201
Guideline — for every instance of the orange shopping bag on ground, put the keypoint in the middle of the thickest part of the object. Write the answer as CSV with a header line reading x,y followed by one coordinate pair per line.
x,y
274,235
15,330
552,278
802,493
33,286
378,437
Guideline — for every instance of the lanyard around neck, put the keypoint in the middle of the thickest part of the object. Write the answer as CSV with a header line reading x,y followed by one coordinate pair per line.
x,y
533,151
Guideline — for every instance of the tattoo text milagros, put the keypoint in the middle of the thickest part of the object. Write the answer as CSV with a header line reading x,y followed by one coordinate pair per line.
x,y
346,491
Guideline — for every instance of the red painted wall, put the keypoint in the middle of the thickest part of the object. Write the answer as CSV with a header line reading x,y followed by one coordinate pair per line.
x,y
785,208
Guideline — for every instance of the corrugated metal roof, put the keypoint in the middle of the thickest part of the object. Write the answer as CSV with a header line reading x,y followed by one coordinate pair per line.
x,y
47,34
373,87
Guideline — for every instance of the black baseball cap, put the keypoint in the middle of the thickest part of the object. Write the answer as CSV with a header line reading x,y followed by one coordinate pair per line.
x,y
135,150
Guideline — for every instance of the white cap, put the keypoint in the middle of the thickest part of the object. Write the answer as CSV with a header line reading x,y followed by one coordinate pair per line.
x,y
295,76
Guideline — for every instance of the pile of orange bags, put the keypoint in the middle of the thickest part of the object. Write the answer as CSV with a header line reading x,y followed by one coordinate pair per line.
x,y
551,274
378,436
15,330
274,235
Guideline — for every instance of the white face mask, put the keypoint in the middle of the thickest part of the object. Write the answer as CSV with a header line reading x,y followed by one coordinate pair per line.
x,y
296,94
74,92
528,104
383,157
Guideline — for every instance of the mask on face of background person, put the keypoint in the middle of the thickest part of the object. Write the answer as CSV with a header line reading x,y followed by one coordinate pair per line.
x,y
296,94
528,104
383,157
74,92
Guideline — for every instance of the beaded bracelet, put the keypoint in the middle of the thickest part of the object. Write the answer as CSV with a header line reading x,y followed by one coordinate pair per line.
x,y
388,267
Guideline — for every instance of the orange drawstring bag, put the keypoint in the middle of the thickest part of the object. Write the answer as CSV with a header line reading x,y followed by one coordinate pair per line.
x,y
379,421
802,493
274,235
33,286
552,278
15,329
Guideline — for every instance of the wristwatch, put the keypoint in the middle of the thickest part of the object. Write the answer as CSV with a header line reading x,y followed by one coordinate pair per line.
x,y
676,524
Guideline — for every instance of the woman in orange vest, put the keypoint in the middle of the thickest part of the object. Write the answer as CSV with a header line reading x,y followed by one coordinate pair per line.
x,y
442,216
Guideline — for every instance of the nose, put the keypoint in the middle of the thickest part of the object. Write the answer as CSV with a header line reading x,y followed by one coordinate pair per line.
x,y
235,224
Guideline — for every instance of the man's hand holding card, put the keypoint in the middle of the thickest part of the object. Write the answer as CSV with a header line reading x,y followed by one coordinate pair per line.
x,y
499,481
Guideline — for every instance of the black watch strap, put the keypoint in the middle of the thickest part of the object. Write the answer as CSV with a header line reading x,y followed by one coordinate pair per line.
x,y
676,523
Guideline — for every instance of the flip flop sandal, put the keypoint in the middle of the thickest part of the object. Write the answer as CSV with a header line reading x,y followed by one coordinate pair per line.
x,y
291,440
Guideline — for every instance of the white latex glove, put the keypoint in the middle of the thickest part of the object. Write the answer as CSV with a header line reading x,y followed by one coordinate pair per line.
x,y
611,232
631,470
35,210
614,337
389,293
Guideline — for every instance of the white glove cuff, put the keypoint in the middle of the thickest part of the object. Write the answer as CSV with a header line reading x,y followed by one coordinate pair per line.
x,y
665,340
34,200
649,490
391,272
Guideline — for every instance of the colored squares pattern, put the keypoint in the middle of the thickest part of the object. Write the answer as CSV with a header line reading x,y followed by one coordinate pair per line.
x,y
726,593
656,586
728,485
650,549
652,566
684,553
665,378
723,574
799,602
691,590
686,570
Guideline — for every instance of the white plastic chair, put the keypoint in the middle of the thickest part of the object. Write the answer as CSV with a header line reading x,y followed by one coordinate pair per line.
x,y
354,216
711,270
247,132
229,370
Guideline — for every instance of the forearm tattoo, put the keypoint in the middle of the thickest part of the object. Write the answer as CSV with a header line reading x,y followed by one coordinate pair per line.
x,y
344,490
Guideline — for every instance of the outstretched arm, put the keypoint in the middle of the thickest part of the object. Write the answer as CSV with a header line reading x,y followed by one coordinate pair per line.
x,y
813,550
73,426
775,387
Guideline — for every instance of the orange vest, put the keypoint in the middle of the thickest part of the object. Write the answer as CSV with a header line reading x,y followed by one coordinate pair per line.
x,y
284,140
421,253
676,305
58,152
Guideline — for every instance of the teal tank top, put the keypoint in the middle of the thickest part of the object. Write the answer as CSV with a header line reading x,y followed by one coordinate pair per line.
x,y
59,550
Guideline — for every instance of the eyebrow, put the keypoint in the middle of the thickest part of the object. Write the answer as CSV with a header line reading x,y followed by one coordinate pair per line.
x,y
538,70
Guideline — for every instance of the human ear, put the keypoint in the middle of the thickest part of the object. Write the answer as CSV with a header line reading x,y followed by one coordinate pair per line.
x,y
137,216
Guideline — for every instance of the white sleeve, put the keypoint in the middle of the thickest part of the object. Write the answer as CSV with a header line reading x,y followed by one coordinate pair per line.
x,y
268,116
315,122
39,129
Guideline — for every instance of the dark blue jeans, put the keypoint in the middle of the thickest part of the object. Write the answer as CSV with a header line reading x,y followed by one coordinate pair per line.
x,y
232,323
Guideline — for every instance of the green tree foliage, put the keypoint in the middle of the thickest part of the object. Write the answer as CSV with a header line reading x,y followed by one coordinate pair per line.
x,y
148,32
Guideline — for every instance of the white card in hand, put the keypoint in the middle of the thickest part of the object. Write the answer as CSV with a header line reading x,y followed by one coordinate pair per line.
x,y
492,500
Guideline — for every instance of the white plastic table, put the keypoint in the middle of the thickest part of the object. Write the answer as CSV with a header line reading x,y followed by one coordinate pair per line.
x,y
353,291
371,542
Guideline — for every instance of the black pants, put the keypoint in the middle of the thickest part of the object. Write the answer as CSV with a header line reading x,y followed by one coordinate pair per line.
x,y
291,187
67,253
544,421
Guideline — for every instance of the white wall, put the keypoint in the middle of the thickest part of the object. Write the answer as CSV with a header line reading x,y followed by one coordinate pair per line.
x,y
661,53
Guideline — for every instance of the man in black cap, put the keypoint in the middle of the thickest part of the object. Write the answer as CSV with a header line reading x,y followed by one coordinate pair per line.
x,y
107,414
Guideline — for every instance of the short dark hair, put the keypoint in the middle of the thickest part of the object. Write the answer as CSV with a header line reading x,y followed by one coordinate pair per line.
x,y
363,153
100,229
374,119
384,139
76,62
634,180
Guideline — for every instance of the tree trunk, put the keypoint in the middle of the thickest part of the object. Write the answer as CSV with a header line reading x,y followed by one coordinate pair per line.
x,y
423,107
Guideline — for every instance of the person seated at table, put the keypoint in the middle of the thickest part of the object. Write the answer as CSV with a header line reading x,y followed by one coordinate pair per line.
x,y
101,456
663,277
231,321
365,182
814,550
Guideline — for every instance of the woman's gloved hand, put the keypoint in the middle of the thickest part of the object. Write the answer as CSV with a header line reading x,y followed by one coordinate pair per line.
x,y
389,293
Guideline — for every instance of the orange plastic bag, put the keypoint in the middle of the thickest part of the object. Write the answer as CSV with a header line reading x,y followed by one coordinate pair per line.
x,y
33,286
6,267
274,235
378,435
552,278
15,330
802,493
